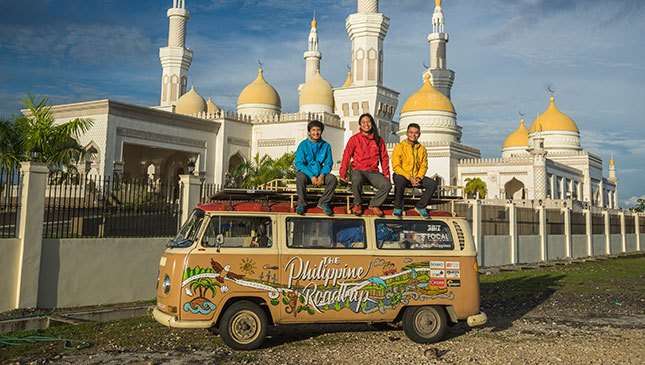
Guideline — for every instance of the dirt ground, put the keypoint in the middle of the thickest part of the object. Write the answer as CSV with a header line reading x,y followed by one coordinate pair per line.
x,y
589,313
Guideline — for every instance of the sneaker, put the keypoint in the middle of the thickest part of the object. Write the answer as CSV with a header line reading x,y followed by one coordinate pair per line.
x,y
326,209
397,212
300,209
377,211
357,210
422,212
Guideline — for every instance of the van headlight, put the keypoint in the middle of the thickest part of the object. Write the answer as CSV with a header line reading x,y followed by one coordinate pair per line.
x,y
165,284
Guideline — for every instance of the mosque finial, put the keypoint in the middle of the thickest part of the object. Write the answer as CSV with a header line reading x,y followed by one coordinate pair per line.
x,y
437,3
314,21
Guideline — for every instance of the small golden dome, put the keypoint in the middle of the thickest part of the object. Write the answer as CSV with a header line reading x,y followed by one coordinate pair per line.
x,y
518,138
190,103
553,120
317,91
259,92
427,98
348,80
211,107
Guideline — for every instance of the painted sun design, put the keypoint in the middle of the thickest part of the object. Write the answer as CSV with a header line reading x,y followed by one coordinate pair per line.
x,y
248,266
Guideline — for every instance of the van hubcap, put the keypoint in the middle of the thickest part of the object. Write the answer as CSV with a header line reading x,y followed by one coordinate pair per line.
x,y
245,327
426,322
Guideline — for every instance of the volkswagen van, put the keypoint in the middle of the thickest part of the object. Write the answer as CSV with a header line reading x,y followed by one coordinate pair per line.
x,y
239,266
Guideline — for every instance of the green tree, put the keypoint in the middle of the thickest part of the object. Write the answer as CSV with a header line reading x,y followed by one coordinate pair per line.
x,y
261,170
639,207
35,136
474,186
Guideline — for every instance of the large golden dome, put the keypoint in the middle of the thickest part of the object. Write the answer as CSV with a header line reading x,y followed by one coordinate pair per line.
x,y
553,120
427,98
317,91
518,138
259,92
190,103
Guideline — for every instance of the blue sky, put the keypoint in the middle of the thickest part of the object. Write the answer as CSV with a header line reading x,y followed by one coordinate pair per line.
x,y
504,52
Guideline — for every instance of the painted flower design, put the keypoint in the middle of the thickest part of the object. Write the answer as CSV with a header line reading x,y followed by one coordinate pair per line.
x,y
247,266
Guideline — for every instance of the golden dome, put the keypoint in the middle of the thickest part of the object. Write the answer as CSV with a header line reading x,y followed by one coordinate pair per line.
x,y
348,80
427,98
211,107
317,91
190,103
518,138
259,92
553,120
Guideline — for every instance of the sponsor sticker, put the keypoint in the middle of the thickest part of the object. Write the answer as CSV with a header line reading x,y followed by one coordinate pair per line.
x,y
454,283
438,273
452,264
453,274
437,264
438,282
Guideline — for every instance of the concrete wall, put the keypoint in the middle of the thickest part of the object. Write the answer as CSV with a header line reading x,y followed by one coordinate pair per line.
x,y
630,240
555,247
529,248
9,259
579,243
496,250
79,272
616,243
598,243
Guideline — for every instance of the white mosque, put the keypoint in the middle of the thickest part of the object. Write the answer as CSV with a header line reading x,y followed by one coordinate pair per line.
x,y
543,161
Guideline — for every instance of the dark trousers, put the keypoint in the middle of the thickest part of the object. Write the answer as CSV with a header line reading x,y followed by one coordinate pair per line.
x,y
377,180
400,183
303,180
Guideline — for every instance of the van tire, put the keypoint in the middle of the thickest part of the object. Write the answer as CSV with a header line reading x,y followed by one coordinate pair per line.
x,y
425,324
243,326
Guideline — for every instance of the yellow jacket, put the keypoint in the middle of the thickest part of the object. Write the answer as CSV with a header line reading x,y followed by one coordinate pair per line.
x,y
410,160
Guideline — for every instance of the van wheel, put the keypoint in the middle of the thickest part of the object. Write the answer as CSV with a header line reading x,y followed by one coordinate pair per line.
x,y
243,326
427,324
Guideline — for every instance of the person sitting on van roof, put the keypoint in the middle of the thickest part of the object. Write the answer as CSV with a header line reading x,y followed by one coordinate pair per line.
x,y
313,164
410,164
366,150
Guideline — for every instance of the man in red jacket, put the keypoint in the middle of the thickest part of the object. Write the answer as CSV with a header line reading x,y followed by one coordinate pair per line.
x,y
366,150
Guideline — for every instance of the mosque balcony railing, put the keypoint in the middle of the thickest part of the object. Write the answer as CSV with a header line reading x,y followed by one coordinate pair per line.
x,y
328,119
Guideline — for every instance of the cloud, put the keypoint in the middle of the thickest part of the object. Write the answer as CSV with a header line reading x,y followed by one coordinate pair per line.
x,y
632,201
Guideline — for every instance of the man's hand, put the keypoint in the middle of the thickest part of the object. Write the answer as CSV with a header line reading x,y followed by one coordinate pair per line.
x,y
343,179
415,181
321,180
314,180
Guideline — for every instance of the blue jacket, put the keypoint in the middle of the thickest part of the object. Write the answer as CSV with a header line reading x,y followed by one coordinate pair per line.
x,y
313,158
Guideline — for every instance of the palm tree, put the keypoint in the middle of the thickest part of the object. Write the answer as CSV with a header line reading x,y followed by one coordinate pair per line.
x,y
35,136
261,170
475,186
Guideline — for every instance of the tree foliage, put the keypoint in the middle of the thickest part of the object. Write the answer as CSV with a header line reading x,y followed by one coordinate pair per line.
x,y
639,207
35,136
261,170
474,186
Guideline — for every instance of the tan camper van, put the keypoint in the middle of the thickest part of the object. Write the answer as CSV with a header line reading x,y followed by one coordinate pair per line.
x,y
239,266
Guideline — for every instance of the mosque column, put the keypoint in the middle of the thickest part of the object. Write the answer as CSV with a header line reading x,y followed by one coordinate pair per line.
x,y
367,29
539,169
441,77
312,55
175,57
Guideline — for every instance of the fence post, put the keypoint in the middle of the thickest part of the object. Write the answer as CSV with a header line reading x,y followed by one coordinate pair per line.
x,y
476,206
567,232
623,232
512,221
605,214
30,232
637,227
589,231
543,233
190,189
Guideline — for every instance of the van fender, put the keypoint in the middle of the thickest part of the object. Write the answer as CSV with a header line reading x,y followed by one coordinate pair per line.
x,y
450,310
271,311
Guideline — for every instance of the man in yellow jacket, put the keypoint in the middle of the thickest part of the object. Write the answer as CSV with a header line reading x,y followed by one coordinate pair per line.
x,y
410,164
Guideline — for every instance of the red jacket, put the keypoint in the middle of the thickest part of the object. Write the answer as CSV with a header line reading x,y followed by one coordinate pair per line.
x,y
364,153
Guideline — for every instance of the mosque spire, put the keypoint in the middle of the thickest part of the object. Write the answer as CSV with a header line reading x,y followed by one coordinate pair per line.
x,y
175,57
312,55
441,77
612,170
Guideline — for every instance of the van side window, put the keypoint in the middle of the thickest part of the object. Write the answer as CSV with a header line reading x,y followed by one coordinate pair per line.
x,y
413,235
325,233
251,232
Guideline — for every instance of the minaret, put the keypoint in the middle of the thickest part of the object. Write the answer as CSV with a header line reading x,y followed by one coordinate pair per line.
x,y
175,58
440,76
367,29
612,171
312,55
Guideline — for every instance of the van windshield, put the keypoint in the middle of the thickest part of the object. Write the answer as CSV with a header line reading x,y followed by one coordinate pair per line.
x,y
188,232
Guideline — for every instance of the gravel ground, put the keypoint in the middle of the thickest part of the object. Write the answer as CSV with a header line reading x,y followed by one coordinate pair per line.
x,y
592,313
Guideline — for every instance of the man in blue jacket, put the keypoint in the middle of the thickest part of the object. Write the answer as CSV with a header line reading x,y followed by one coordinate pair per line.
x,y
313,166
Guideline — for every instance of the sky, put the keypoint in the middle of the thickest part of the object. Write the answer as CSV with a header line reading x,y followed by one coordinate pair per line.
x,y
505,54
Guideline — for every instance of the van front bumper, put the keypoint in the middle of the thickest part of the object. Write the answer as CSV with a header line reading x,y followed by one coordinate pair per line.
x,y
171,321
477,319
